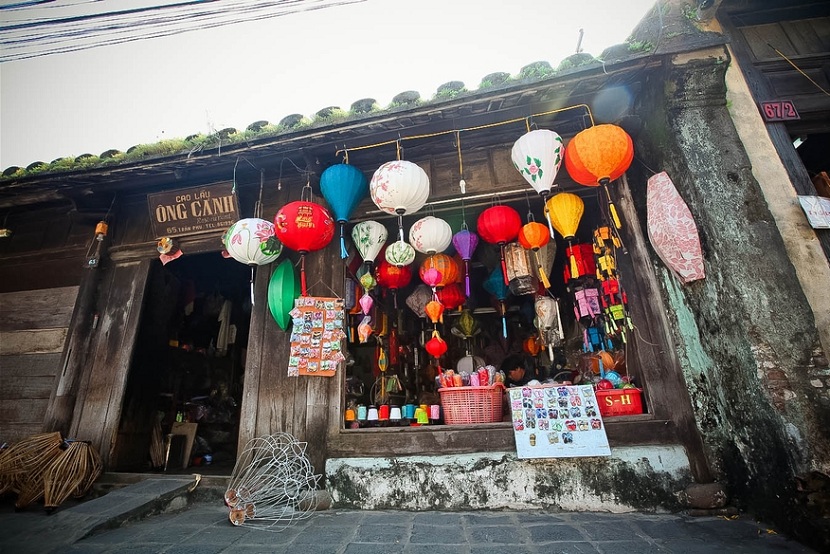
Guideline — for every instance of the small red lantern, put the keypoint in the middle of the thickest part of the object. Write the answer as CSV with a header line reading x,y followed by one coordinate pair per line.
x,y
452,296
499,225
393,278
599,155
436,346
303,226
533,236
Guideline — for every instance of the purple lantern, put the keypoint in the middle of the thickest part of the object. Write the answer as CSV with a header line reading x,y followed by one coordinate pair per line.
x,y
465,243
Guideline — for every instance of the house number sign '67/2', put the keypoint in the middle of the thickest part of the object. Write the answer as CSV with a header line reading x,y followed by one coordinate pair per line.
x,y
779,110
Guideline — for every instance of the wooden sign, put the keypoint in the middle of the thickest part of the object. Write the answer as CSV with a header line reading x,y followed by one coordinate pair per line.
x,y
779,110
556,421
193,211
317,336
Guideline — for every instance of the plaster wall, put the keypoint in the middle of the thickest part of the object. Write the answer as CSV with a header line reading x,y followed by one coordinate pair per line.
x,y
632,479
803,248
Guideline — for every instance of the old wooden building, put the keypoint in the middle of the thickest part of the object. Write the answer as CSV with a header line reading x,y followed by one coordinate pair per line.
x,y
102,340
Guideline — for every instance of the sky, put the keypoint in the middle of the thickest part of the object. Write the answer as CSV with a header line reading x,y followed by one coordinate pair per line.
x,y
144,91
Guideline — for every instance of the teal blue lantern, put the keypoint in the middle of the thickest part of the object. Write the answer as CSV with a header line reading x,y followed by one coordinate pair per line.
x,y
343,186
495,285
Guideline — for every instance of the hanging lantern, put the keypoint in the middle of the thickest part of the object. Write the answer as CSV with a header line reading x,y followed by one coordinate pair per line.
x,y
452,296
534,236
466,326
303,226
369,238
283,288
417,300
366,302
436,346
599,155
435,311
393,278
537,155
399,188
520,276
532,346
495,285
430,235
465,243
565,211
446,267
499,225
343,186
400,254
549,321
252,242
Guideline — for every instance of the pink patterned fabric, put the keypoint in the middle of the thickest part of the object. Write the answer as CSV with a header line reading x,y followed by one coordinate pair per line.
x,y
672,230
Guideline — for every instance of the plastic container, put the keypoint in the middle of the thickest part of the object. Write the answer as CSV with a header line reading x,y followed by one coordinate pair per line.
x,y
618,402
465,405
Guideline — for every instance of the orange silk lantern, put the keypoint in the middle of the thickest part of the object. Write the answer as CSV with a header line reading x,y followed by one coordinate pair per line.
x,y
599,155
531,346
435,311
533,236
445,264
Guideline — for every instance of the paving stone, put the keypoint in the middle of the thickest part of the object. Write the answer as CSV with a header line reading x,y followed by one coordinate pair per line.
x,y
373,548
325,535
436,534
554,532
632,547
608,530
438,518
499,534
496,549
437,549
490,519
382,533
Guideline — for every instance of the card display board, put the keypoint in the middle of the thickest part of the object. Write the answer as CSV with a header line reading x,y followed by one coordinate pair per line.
x,y
554,421
317,336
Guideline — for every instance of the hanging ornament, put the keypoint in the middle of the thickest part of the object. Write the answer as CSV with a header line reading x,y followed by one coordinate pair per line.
x,y
283,288
418,298
499,225
495,285
565,211
534,236
436,346
466,326
252,242
364,329
452,296
304,226
465,243
435,311
393,278
598,155
537,155
369,238
430,235
549,322
366,302
520,274
399,188
400,254
343,186
532,346
445,266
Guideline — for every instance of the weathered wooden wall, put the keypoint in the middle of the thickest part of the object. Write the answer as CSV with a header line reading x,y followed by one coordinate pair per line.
x,y
33,328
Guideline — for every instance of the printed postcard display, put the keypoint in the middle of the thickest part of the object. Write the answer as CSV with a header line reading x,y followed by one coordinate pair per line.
x,y
316,336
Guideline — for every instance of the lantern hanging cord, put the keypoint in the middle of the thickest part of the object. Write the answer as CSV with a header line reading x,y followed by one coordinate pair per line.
x,y
398,140
458,148
789,61
258,203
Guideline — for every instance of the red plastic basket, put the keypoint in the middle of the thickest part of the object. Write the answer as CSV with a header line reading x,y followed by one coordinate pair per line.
x,y
617,402
465,405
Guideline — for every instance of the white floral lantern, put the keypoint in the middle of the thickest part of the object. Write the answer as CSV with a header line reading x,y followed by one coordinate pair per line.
x,y
399,188
369,238
251,241
399,253
430,235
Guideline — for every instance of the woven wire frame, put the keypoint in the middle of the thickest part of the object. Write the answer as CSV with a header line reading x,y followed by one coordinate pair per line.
x,y
272,484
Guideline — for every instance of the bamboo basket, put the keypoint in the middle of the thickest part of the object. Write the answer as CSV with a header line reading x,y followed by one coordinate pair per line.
x,y
25,456
71,473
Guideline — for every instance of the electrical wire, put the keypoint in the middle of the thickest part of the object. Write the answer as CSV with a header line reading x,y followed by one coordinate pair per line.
x,y
35,37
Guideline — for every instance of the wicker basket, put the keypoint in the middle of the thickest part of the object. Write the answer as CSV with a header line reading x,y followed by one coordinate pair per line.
x,y
465,405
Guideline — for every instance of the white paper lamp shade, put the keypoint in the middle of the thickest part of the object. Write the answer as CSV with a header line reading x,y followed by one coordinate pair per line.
x,y
400,253
537,155
251,241
369,238
399,187
430,235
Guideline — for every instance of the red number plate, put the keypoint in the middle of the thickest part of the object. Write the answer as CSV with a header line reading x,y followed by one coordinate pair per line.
x,y
779,110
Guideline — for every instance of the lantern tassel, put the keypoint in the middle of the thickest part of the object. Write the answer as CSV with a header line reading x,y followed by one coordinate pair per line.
x,y
503,320
542,275
467,277
343,252
611,207
302,275
503,265
547,217
253,268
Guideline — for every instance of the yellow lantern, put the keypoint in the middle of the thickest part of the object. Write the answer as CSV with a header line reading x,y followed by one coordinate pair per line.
x,y
565,211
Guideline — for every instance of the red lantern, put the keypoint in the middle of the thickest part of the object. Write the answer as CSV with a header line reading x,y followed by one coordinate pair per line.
x,y
303,226
436,346
499,225
393,277
445,264
599,155
533,236
452,296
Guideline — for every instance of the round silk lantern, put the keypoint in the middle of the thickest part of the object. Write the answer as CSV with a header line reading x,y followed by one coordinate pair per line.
x,y
283,288
534,236
252,242
393,278
369,238
430,235
531,346
436,346
465,243
304,226
444,264
452,296
537,155
343,186
499,225
599,155
400,254
566,211
399,187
